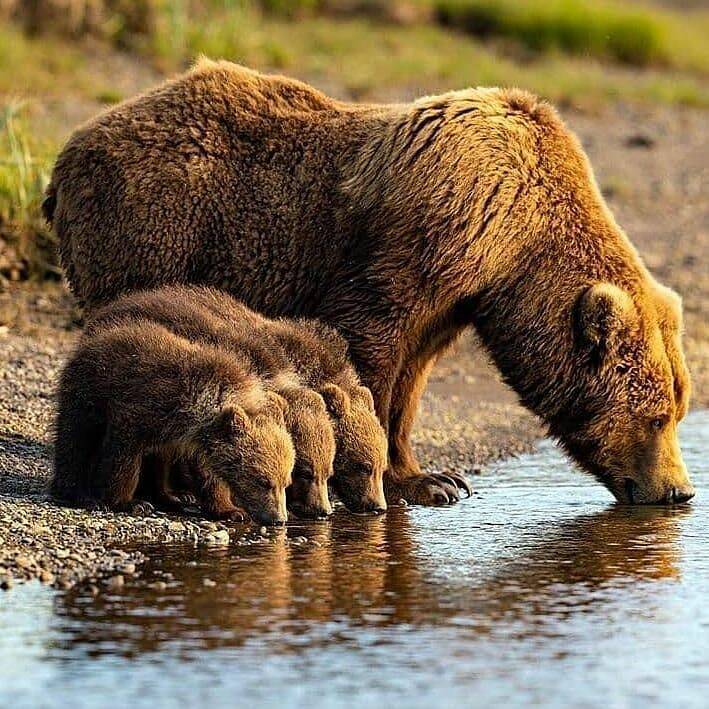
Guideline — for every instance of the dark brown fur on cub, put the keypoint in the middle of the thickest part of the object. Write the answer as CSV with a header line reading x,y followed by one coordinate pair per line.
x,y
138,389
297,358
399,225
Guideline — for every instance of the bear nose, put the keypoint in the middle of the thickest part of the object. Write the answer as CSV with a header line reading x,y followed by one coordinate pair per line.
x,y
680,494
274,520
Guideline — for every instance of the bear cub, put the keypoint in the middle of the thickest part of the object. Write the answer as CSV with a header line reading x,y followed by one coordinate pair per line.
x,y
138,389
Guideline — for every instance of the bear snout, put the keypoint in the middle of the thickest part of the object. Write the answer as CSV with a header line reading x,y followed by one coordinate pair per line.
x,y
678,495
672,495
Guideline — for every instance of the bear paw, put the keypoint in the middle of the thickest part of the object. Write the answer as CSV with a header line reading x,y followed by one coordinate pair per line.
x,y
434,489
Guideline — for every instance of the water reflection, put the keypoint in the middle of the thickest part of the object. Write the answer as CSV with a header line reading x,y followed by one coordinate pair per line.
x,y
371,572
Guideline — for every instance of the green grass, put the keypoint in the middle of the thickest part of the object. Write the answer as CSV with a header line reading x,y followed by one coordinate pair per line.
x,y
625,32
25,167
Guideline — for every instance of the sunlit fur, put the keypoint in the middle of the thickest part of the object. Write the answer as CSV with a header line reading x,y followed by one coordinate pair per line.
x,y
138,389
400,225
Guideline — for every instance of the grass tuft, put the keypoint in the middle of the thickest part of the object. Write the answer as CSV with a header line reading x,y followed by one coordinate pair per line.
x,y
24,174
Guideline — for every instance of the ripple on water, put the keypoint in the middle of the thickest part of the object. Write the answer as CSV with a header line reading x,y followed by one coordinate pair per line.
x,y
538,590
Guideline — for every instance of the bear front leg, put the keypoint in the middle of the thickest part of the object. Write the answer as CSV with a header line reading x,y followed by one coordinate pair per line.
x,y
404,479
217,502
117,477
158,474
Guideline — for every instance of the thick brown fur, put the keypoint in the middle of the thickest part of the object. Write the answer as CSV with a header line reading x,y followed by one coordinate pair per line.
x,y
137,389
398,225
297,359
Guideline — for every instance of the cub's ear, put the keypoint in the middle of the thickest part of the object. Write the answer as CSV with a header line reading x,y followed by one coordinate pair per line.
x,y
276,407
231,421
362,393
604,314
336,400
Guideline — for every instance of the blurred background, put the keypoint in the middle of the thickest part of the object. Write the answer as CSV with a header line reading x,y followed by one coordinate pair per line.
x,y
63,60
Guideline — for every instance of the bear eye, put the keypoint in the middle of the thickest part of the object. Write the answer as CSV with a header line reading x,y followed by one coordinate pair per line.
x,y
366,469
306,474
657,423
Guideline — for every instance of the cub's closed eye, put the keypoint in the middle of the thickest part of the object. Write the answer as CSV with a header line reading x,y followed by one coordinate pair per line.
x,y
305,474
366,469
264,484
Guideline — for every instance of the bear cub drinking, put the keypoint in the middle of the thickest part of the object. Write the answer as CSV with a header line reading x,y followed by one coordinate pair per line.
x,y
137,389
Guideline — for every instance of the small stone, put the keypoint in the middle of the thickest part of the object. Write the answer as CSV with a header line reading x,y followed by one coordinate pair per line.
x,y
6,583
65,583
24,562
209,583
640,140
61,553
128,569
218,538
93,589
46,577
158,585
263,531
116,582
402,502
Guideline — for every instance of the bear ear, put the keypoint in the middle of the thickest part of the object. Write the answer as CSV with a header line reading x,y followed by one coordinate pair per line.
x,y
362,393
276,407
232,421
336,400
604,313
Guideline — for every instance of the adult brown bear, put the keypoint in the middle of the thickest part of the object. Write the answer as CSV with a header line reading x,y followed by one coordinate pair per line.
x,y
400,225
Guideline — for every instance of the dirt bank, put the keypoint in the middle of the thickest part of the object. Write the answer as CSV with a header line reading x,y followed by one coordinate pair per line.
x,y
652,166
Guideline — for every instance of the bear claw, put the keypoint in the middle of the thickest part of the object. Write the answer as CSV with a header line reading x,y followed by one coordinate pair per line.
x,y
435,489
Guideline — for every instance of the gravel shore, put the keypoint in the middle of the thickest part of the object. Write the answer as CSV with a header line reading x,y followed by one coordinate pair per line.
x,y
652,168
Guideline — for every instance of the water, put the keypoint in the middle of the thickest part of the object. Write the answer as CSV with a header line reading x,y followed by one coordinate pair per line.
x,y
537,591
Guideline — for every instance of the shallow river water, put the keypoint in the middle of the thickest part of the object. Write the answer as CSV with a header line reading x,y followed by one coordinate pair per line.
x,y
537,591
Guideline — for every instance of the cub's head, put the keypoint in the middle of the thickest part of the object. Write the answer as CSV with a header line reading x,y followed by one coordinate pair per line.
x,y
361,457
314,442
254,454
631,390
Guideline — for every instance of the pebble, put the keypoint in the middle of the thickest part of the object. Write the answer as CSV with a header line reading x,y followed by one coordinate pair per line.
x,y
115,582
158,585
128,569
218,538
93,589
263,531
6,583
24,562
46,577
209,583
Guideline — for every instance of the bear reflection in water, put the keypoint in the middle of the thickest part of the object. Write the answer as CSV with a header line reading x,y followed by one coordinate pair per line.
x,y
375,573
